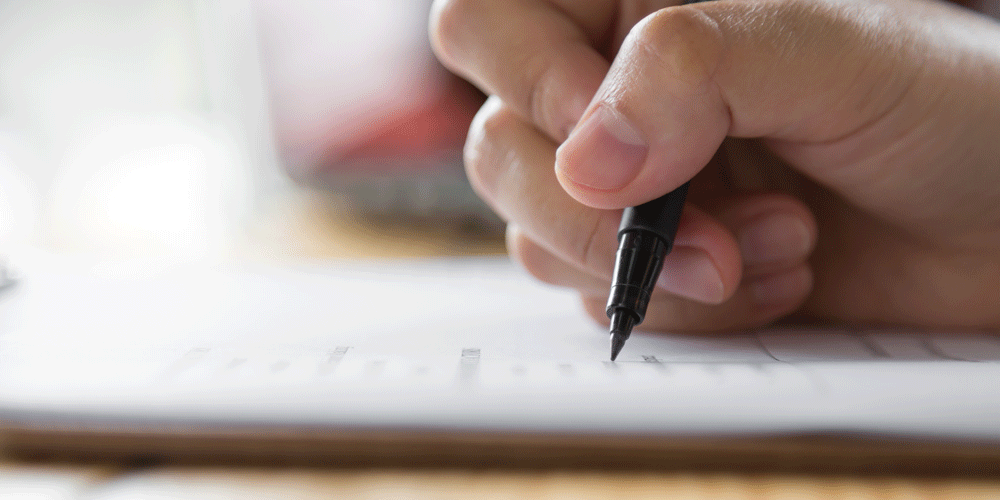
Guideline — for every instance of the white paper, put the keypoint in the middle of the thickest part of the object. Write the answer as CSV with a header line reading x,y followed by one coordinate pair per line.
x,y
453,344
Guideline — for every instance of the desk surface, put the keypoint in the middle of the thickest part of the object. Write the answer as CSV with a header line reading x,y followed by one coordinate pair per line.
x,y
101,482
305,228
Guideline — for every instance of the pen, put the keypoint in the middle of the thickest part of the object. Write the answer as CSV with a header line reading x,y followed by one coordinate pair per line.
x,y
645,237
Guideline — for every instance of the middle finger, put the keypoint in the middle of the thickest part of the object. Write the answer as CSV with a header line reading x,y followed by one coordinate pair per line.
x,y
510,163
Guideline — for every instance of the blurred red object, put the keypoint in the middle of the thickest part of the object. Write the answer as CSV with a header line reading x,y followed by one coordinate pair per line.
x,y
361,108
435,130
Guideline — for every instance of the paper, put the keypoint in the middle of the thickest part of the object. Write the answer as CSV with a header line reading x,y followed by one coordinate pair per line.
x,y
454,344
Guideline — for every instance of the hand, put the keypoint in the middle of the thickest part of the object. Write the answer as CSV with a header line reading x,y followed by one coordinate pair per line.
x,y
858,178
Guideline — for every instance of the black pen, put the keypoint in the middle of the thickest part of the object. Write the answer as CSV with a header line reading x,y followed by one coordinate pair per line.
x,y
645,237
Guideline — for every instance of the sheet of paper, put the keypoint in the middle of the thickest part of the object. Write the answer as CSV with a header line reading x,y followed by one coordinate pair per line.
x,y
453,344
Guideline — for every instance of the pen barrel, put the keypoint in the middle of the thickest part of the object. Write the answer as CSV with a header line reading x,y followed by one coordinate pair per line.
x,y
660,216
645,237
637,266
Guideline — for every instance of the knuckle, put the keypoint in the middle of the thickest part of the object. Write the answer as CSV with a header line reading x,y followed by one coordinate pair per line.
x,y
481,146
538,76
591,247
532,257
685,41
449,22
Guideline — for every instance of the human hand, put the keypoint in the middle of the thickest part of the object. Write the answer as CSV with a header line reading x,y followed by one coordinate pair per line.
x,y
860,181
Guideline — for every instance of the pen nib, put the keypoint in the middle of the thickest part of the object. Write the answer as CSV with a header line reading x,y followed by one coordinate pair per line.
x,y
617,342
621,328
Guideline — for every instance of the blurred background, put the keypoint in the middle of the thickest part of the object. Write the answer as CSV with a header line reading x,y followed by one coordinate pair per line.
x,y
193,129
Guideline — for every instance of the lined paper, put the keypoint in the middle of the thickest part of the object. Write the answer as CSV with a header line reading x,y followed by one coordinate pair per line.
x,y
454,344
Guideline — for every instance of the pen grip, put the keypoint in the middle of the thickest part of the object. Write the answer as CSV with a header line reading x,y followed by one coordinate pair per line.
x,y
660,216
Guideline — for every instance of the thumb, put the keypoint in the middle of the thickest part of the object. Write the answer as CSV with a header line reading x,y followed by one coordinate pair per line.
x,y
688,76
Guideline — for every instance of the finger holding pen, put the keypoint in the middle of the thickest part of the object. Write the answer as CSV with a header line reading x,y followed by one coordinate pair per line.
x,y
563,242
879,114
511,165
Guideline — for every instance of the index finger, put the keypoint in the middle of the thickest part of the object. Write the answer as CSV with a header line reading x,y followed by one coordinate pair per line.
x,y
537,56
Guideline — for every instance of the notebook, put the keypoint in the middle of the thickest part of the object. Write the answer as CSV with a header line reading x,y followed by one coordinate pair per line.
x,y
468,358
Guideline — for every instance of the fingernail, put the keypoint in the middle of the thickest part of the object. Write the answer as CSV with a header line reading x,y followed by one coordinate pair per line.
x,y
690,273
781,288
777,237
605,152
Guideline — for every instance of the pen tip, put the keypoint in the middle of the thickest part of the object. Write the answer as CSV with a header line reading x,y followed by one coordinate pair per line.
x,y
617,343
621,328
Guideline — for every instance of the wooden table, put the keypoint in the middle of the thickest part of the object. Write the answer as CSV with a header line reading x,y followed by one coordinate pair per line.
x,y
45,481
305,228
